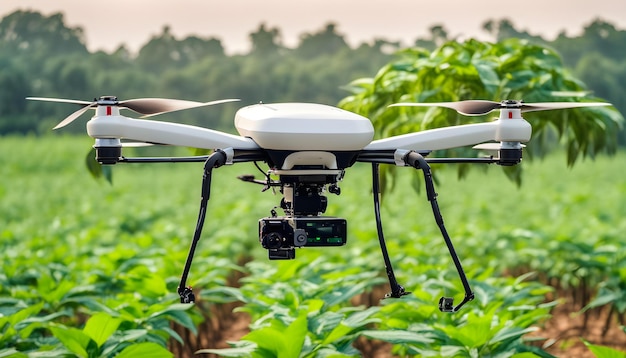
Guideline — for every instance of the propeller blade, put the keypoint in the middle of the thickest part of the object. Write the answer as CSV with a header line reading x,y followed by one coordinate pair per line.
x,y
467,108
530,107
61,100
147,106
69,119
154,106
481,107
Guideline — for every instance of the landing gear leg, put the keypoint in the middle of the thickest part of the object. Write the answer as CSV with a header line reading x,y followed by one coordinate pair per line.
x,y
215,160
446,304
397,290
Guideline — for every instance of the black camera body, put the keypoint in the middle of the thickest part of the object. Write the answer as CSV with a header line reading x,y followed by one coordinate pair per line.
x,y
282,234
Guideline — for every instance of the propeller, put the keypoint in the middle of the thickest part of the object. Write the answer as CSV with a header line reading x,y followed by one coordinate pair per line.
x,y
149,107
481,107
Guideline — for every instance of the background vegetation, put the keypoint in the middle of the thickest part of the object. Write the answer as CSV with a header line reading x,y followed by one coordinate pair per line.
x,y
73,248
42,56
89,269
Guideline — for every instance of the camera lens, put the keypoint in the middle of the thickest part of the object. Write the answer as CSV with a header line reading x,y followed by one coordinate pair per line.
x,y
272,240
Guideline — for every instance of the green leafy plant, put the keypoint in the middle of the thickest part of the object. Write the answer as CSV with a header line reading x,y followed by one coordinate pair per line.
x,y
510,69
67,262
603,351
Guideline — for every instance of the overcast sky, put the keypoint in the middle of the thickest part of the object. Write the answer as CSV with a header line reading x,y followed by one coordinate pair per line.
x,y
109,23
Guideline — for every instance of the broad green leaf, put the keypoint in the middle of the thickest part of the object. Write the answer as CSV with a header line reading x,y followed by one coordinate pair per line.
x,y
25,313
297,332
173,334
361,318
73,339
96,169
145,349
604,352
338,332
43,319
240,349
510,333
528,355
177,313
397,336
56,291
11,352
222,294
603,299
325,322
474,334
343,294
268,339
131,334
101,326
315,305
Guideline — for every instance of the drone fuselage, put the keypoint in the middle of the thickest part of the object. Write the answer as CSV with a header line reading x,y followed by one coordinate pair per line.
x,y
304,127
302,136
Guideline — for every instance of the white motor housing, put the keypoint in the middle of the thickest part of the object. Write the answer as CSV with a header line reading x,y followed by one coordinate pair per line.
x,y
304,127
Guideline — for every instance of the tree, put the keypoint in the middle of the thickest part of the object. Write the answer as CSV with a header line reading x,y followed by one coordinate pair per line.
x,y
265,41
511,69
165,52
325,42
32,34
504,29
14,87
160,52
607,79
438,36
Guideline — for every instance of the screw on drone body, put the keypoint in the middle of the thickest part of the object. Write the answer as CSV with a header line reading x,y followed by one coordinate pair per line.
x,y
334,189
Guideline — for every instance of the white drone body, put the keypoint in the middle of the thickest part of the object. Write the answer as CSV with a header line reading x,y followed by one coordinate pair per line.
x,y
308,146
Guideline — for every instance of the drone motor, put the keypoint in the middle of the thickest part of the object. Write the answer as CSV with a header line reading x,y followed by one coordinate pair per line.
x,y
108,150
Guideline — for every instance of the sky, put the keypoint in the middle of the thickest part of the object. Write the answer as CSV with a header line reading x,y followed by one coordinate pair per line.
x,y
107,24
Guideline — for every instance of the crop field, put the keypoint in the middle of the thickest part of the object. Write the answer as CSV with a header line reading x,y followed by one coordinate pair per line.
x,y
90,269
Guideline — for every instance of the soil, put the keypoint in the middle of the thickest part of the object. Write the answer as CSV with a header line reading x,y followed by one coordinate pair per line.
x,y
567,328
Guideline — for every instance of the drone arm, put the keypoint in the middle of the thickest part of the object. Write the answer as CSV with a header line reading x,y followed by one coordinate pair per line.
x,y
417,161
165,133
501,130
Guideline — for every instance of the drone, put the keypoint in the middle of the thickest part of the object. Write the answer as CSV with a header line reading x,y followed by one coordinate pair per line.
x,y
309,146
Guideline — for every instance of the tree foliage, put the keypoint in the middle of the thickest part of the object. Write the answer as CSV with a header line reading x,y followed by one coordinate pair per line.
x,y
596,56
42,56
510,69
31,33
